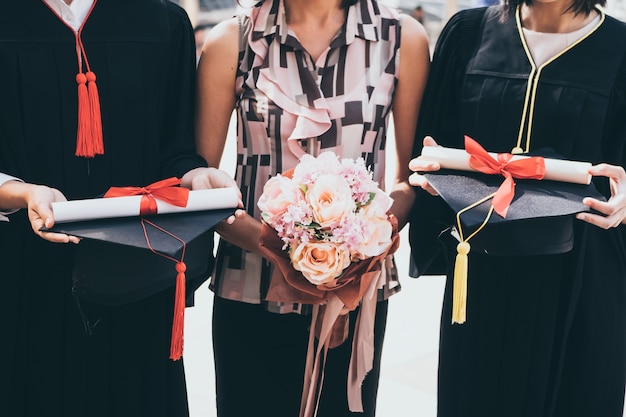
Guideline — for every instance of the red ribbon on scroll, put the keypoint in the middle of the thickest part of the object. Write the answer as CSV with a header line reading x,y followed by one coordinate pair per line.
x,y
523,168
166,190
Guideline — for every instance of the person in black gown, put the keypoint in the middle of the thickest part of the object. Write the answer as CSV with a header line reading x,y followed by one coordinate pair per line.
x,y
142,52
546,330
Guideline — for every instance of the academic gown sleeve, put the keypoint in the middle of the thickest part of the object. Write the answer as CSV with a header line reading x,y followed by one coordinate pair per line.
x,y
439,118
614,147
179,124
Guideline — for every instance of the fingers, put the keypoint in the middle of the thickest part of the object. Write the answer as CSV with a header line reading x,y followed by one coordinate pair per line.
x,y
419,165
612,212
239,214
607,170
418,180
603,222
429,141
422,165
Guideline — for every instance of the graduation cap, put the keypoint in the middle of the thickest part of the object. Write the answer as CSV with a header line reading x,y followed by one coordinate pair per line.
x,y
125,259
508,205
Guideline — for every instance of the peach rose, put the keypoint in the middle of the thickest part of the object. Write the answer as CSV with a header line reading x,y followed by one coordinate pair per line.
x,y
278,194
319,262
330,198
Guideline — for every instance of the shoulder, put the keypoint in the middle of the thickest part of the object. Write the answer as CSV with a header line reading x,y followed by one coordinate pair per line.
x,y
177,15
465,21
224,36
221,46
459,35
412,34
614,31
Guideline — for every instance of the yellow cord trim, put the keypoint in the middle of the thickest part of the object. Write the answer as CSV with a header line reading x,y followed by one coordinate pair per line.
x,y
533,79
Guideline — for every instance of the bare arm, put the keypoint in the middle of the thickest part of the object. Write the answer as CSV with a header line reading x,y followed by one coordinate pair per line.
x,y
412,75
217,70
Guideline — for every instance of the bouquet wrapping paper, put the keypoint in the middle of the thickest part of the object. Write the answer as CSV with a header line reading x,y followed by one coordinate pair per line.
x,y
328,231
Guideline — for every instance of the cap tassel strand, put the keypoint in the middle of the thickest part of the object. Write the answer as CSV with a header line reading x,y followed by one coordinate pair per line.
x,y
96,119
459,294
83,134
178,326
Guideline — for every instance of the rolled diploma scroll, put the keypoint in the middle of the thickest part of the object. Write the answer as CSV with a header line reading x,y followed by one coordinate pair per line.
x,y
556,169
103,208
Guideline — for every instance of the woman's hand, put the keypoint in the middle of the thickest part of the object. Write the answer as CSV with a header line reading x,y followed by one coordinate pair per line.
x,y
207,178
418,165
614,209
39,199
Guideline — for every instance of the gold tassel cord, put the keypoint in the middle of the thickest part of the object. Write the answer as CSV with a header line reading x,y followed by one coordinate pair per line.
x,y
459,291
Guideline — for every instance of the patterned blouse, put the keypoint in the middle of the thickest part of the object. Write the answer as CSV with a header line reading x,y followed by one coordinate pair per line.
x,y
342,101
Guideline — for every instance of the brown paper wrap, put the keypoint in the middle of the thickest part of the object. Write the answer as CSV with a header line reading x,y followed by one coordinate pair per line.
x,y
331,303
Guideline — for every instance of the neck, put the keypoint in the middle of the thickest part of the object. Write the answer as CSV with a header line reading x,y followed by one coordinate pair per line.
x,y
553,17
320,11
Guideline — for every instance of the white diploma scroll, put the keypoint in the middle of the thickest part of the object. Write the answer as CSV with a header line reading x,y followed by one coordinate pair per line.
x,y
556,169
128,206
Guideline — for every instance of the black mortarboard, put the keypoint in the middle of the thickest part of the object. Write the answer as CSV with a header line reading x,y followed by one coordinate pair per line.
x,y
121,260
538,220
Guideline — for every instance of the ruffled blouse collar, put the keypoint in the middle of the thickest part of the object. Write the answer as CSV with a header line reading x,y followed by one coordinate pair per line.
x,y
270,40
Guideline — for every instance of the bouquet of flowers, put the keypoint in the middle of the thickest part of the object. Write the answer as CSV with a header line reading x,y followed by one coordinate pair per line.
x,y
327,225
327,228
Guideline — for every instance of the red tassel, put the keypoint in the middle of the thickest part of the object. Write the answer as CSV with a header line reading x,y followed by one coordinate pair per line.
x,y
96,120
178,326
83,135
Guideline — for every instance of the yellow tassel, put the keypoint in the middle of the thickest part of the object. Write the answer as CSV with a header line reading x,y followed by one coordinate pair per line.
x,y
459,294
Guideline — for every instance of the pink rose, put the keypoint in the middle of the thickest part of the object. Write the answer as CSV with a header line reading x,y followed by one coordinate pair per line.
x,y
379,206
310,167
378,231
319,262
330,198
278,194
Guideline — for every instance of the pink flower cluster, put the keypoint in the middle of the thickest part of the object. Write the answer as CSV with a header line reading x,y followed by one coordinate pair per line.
x,y
329,213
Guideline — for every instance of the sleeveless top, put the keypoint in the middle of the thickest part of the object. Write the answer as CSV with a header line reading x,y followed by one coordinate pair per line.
x,y
284,98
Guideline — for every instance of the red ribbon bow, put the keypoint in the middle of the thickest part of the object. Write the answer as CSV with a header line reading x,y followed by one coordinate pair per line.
x,y
164,190
525,168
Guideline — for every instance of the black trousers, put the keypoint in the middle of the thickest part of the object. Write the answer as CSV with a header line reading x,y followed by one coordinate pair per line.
x,y
260,359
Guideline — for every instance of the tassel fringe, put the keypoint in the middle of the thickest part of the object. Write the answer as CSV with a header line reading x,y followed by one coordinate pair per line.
x,y
178,325
89,142
459,294
96,118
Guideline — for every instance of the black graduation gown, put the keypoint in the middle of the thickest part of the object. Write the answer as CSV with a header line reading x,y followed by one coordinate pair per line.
x,y
142,52
545,334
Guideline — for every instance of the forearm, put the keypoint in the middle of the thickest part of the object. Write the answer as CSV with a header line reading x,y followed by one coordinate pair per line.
x,y
15,194
403,197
